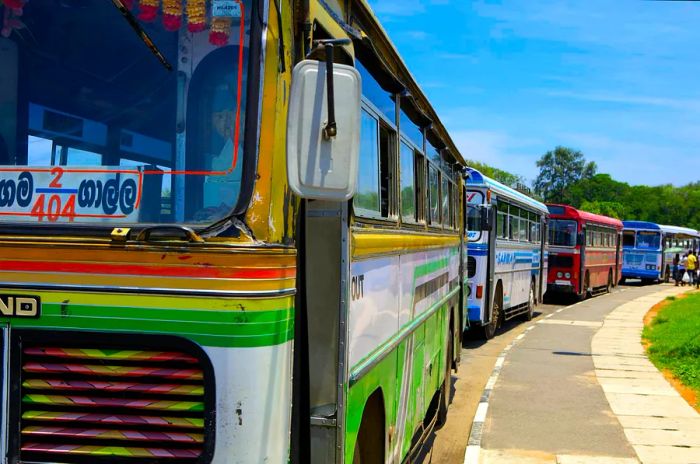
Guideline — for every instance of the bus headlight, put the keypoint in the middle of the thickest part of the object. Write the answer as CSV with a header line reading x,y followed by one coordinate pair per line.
x,y
567,275
559,275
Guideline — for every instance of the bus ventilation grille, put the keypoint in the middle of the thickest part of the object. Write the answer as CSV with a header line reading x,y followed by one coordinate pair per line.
x,y
93,405
561,261
471,266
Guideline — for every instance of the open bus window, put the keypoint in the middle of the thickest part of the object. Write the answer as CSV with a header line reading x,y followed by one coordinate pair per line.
x,y
648,240
562,232
87,106
628,238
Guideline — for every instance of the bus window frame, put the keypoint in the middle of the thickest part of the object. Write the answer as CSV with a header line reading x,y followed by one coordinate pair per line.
x,y
382,123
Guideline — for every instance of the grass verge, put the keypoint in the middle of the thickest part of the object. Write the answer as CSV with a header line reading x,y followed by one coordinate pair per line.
x,y
673,342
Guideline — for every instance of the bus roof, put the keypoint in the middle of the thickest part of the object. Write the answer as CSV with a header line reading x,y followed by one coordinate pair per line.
x,y
644,225
566,211
477,179
676,230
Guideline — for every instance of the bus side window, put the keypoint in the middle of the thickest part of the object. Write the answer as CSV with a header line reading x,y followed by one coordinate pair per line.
x,y
407,186
433,195
367,197
421,186
501,222
514,222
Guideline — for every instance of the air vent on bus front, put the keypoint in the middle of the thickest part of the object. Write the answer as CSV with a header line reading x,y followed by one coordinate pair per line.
x,y
471,266
97,404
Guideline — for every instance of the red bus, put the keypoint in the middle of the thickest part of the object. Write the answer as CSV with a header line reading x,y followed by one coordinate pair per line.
x,y
585,251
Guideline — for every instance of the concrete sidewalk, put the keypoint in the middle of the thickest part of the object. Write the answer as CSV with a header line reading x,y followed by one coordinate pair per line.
x,y
659,424
578,389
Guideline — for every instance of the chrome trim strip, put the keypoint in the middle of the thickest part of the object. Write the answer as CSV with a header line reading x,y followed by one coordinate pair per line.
x,y
373,360
150,291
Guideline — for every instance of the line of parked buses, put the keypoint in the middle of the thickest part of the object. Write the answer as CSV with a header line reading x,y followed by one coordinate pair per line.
x,y
519,249
187,271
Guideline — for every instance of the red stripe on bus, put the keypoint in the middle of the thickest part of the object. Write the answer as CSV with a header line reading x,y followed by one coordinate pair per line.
x,y
161,271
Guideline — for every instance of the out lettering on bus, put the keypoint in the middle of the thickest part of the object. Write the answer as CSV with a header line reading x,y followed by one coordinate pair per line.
x,y
357,287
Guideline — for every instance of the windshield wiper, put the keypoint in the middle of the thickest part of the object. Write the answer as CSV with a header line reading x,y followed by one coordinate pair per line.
x,y
141,33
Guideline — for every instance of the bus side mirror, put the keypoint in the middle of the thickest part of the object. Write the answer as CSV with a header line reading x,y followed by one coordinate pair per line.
x,y
322,161
488,216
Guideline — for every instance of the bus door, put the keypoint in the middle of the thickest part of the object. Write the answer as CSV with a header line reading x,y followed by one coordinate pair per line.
x,y
326,265
543,247
491,261
583,239
618,256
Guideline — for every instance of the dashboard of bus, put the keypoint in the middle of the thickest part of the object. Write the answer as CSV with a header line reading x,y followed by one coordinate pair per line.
x,y
126,115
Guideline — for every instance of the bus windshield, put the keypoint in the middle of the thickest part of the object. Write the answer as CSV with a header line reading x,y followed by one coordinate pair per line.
x,y
648,240
95,128
562,232
473,222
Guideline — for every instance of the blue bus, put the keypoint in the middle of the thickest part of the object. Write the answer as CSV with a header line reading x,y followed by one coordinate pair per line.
x,y
507,253
648,249
642,251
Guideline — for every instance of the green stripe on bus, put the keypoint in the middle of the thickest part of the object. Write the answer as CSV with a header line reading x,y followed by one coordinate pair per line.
x,y
209,328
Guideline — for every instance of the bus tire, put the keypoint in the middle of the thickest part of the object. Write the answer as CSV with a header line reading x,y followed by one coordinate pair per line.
x,y
622,280
586,283
531,302
489,330
608,287
446,387
369,446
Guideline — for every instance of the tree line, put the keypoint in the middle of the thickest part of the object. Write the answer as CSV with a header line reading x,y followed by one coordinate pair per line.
x,y
566,177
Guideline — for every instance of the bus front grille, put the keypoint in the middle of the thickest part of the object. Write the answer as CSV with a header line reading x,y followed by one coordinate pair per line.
x,y
102,403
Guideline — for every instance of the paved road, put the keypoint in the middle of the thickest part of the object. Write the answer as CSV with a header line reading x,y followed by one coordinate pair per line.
x,y
546,397
448,444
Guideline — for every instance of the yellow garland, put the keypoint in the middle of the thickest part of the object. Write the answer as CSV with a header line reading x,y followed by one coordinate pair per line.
x,y
196,15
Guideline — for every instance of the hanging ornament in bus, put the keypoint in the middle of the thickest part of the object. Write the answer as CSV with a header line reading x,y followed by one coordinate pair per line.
x,y
172,15
220,31
196,15
10,17
148,10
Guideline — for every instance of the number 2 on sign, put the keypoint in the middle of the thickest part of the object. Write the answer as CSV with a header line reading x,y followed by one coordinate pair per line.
x,y
58,172
53,210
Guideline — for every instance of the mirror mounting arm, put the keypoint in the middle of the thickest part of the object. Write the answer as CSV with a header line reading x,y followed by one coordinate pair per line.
x,y
331,128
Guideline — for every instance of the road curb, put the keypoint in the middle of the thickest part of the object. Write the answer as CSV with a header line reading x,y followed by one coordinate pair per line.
x,y
659,424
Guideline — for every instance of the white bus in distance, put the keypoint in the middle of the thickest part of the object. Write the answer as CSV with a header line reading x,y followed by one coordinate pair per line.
x,y
507,256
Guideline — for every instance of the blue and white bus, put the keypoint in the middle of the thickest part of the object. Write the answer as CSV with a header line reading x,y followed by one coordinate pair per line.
x,y
677,240
642,253
507,262
648,249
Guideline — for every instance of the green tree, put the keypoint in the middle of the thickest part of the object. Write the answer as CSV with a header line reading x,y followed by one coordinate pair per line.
x,y
559,170
606,208
504,177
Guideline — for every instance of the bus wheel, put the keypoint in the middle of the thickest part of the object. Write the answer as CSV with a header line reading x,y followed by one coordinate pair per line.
x,y
530,303
489,330
369,447
446,385
608,288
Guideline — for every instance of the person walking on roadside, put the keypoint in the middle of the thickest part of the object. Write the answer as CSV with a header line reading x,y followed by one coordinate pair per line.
x,y
692,266
683,268
675,268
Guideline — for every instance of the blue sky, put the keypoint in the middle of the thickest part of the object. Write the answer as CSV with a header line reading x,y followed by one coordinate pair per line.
x,y
618,80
